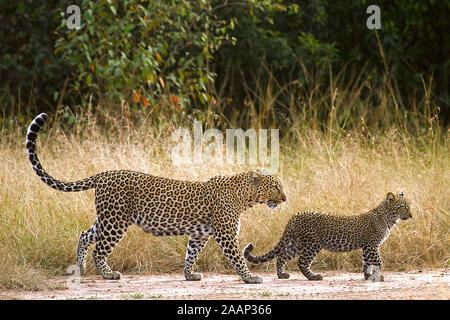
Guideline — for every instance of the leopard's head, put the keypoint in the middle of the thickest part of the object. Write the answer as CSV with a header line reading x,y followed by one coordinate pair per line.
x,y
265,189
397,206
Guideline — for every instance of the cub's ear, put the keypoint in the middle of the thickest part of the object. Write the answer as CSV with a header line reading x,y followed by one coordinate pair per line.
x,y
390,197
256,178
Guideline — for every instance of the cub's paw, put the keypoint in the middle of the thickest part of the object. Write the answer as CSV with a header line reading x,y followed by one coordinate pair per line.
x,y
193,276
112,275
253,280
316,277
375,278
284,275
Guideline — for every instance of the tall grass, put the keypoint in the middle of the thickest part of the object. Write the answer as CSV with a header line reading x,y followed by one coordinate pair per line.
x,y
343,164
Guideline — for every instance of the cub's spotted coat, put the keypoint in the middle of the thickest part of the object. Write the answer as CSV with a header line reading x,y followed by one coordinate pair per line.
x,y
308,232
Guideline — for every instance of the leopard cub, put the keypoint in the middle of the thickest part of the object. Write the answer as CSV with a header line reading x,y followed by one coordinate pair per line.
x,y
309,232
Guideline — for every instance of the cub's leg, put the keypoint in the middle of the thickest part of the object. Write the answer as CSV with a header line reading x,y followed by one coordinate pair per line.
x,y
87,238
372,263
308,253
288,253
281,262
195,246
110,235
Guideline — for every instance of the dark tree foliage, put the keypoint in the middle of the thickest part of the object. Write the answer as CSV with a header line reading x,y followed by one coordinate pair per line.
x,y
30,71
193,48
413,37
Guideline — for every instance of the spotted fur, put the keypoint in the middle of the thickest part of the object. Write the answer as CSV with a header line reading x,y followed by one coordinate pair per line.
x,y
165,207
309,232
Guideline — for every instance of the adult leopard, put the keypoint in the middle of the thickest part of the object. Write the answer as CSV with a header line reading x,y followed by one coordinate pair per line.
x,y
165,207
308,232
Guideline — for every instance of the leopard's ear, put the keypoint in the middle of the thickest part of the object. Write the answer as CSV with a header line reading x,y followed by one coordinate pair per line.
x,y
256,178
390,197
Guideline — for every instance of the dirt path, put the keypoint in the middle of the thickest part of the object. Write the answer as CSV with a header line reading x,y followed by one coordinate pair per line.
x,y
433,284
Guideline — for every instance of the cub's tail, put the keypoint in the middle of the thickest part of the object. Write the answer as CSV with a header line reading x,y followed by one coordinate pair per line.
x,y
32,133
263,258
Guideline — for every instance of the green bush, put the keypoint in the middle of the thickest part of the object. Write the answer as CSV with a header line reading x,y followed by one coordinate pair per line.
x,y
142,51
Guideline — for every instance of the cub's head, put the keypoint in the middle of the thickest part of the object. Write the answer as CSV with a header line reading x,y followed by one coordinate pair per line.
x,y
265,188
397,206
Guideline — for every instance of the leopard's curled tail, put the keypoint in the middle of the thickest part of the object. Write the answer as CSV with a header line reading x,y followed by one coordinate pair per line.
x,y
32,133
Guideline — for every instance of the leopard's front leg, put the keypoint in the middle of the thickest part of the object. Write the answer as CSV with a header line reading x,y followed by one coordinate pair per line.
x,y
372,264
227,240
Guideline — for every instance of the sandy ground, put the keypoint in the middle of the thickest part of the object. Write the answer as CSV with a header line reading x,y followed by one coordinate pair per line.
x,y
431,284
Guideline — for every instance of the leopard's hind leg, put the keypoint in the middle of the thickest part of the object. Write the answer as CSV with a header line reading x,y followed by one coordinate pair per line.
x,y
111,232
87,238
195,246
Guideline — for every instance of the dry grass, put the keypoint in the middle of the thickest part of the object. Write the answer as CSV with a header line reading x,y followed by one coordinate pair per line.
x,y
351,173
